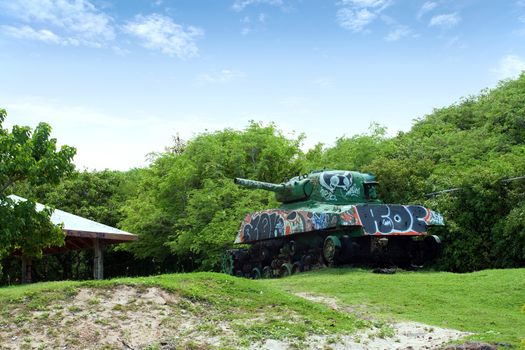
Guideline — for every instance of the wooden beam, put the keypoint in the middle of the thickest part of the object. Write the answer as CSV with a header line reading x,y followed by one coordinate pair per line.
x,y
26,270
121,237
70,243
98,260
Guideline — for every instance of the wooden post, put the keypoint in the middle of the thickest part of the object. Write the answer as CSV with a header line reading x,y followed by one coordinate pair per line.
x,y
26,270
98,261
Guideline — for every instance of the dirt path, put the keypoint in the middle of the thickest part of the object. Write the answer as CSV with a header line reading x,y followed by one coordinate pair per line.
x,y
398,335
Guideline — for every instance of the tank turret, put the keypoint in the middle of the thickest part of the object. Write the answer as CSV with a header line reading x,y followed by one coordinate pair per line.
x,y
330,217
291,191
331,186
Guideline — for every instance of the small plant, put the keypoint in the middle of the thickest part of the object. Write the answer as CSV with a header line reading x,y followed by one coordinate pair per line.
x,y
93,301
74,309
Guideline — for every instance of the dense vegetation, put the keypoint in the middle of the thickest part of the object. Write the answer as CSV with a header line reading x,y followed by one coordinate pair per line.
x,y
186,209
31,157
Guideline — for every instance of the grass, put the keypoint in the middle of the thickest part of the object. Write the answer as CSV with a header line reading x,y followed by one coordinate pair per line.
x,y
256,311
490,303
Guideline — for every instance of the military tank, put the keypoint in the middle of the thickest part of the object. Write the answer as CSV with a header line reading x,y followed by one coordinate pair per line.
x,y
329,218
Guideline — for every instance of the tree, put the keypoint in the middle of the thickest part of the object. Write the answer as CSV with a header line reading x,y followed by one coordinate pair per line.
x,y
31,156
187,206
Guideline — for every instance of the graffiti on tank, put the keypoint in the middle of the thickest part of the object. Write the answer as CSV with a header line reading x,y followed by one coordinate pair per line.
x,y
353,191
436,219
277,223
350,218
393,219
382,219
263,225
329,196
319,220
331,181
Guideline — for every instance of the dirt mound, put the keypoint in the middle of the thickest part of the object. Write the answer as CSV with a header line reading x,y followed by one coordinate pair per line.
x,y
120,318
138,317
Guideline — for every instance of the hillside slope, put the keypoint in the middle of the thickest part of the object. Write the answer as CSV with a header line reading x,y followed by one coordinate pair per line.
x,y
208,311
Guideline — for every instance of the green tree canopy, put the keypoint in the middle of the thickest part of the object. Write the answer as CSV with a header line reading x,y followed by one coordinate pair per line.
x,y
188,206
29,156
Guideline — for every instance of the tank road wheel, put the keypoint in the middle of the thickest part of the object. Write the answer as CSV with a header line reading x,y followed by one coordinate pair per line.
x,y
263,254
297,267
267,272
432,247
331,248
291,248
227,263
285,270
306,261
256,273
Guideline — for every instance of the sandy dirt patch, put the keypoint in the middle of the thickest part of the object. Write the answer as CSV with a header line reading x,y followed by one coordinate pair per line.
x,y
120,318
393,335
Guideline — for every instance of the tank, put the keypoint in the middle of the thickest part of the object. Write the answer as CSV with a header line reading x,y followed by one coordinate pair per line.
x,y
330,218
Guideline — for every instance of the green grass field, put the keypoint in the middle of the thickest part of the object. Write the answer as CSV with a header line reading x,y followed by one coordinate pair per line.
x,y
489,303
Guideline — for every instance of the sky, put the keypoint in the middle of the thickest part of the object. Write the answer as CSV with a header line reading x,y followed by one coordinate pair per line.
x,y
119,79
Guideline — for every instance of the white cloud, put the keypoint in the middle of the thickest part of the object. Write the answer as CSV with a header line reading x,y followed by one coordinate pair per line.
x,y
94,134
324,82
221,77
355,15
354,20
159,32
509,66
240,5
398,33
79,21
366,3
425,8
445,21
292,102
26,32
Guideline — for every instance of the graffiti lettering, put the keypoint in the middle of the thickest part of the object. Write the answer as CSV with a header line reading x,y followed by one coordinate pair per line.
x,y
393,219
329,196
376,219
261,226
353,192
276,223
436,219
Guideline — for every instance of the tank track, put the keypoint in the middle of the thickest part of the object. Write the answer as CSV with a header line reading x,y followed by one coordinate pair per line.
x,y
285,257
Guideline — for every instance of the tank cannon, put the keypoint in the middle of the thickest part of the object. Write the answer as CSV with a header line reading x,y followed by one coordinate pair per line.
x,y
330,217
291,191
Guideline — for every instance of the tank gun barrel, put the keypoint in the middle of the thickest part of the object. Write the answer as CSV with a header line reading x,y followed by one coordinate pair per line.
x,y
259,185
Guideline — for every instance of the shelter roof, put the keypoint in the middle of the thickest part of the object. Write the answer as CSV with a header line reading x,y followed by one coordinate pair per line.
x,y
80,231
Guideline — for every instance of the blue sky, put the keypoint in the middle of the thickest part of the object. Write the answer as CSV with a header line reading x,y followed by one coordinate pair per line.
x,y
118,79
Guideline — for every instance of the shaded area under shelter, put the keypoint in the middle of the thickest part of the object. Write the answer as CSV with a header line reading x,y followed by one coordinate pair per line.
x,y
81,233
